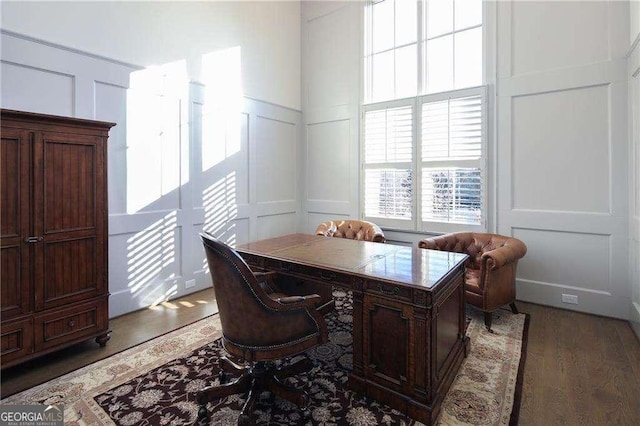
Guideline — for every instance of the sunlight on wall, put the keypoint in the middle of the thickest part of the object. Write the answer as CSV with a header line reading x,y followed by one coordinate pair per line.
x,y
222,106
221,141
159,163
220,207
153,133
151,258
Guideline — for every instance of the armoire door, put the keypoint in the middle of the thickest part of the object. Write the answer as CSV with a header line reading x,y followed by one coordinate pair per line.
x,y
69,216
15,227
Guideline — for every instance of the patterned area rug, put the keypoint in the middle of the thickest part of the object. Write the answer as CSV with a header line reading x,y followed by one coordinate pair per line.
x,y
155,383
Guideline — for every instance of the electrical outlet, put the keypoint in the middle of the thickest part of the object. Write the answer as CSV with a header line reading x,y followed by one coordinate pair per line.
x,y
192,283
570,298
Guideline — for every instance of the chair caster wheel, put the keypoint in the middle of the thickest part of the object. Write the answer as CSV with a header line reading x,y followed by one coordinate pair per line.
x,y
202,412
244,420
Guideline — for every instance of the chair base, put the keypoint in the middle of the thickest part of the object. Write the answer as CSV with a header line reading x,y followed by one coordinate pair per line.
x,y
254,379
488,316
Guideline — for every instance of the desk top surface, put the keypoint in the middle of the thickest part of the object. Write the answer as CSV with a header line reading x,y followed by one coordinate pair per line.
x,y
388,262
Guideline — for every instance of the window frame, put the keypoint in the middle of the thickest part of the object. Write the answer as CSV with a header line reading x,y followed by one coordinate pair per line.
x,y
418,224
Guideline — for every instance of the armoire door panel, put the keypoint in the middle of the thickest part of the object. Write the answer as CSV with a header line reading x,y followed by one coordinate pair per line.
x,y
69,272
15,268
69,182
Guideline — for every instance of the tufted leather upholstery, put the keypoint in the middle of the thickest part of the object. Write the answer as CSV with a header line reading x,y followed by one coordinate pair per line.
x,y
491,267
259,324
352,229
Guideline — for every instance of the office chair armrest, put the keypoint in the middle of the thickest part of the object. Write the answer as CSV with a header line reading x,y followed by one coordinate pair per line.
x,y
310,301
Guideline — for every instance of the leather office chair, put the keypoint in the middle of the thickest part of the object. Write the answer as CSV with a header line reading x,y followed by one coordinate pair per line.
x,y
490,279
259,325
352,229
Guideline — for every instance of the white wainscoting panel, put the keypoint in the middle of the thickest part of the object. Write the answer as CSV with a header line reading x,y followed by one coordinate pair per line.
x,y
328,161
562,163
276,160
111,102
275,225
330,65
572,34
332,58
551,132
178,162
588,267
22,86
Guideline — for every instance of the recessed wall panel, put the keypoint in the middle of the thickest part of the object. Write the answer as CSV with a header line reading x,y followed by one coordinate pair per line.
x,y
565,258
31,89
561,149
276,160
111,105
329,68
328,161
276,225
557,34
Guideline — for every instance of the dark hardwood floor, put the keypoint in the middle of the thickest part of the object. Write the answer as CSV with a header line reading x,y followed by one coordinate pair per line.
x,y
580,369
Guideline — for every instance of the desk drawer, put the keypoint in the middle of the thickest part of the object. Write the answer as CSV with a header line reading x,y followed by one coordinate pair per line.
x,y
307,272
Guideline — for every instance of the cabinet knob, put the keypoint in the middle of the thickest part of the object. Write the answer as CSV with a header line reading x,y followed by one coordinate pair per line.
x,y
71,323
33,239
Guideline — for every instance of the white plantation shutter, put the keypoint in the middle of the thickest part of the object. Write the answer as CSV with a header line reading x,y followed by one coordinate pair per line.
x,y
388,157
388,135
452,129
452,175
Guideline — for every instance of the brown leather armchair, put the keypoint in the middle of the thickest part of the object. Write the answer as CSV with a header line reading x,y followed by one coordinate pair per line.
x,y
259,325
490,279
352,229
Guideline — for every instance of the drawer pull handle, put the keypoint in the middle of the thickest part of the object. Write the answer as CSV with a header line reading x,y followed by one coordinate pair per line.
x,y
33,239
394,291
327,276
71,323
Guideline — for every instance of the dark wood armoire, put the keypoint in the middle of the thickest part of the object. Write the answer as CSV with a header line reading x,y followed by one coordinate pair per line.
x,y
53,225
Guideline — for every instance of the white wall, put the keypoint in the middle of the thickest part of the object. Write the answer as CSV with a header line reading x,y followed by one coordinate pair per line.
x,y
184,155
562,151
157,32
331,46
634,162
558,155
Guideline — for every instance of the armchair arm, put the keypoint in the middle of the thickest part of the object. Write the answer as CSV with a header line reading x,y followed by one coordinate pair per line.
x,y
511,251
296,302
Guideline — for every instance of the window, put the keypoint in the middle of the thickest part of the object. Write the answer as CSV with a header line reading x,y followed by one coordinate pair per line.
x,y
424,115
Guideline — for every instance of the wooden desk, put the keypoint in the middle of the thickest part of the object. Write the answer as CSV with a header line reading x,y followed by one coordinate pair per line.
x,y
408,312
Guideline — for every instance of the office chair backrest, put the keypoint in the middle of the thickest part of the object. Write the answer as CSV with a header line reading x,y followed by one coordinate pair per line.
x,y
251,320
